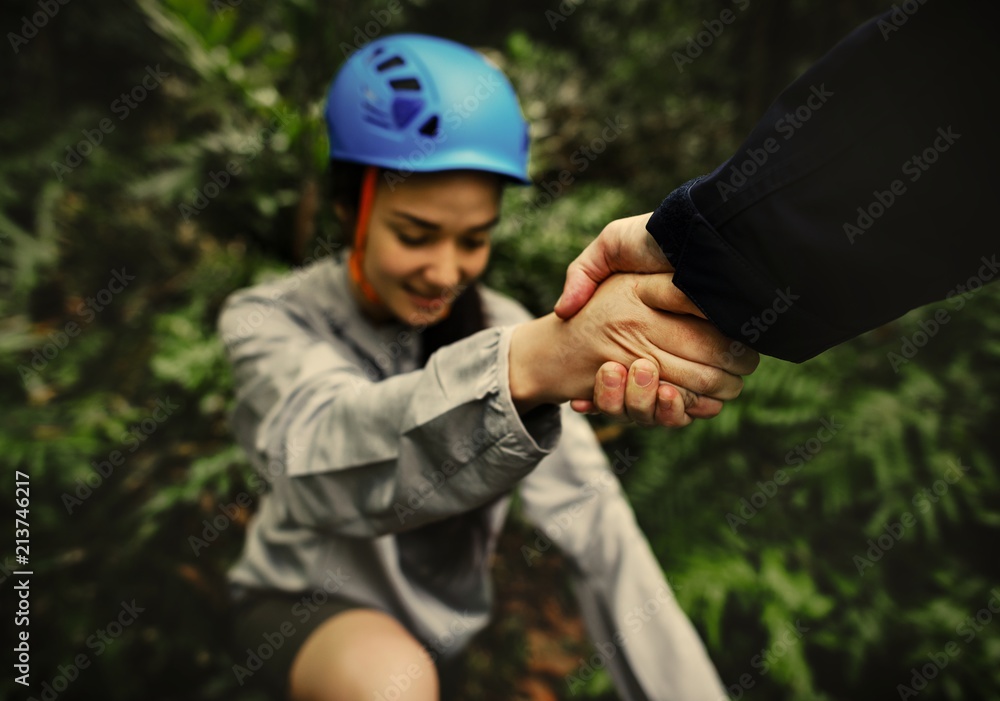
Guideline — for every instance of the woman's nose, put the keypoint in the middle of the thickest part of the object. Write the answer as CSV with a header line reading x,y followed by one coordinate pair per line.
x,y
444,270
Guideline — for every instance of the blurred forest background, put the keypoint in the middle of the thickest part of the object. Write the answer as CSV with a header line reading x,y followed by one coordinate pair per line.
x,y
116,252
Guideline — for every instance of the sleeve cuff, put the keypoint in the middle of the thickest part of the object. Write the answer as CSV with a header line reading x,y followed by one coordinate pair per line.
x,y
745,304
476,371
537,431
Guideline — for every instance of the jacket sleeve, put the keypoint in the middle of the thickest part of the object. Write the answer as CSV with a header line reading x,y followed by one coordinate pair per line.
x,y
366,458
647,642
865,190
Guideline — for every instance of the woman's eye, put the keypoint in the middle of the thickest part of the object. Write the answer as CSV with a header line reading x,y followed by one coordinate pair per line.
x,y
407,240
473,244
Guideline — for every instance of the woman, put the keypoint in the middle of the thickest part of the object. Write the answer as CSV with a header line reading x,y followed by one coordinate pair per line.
x,y
393,404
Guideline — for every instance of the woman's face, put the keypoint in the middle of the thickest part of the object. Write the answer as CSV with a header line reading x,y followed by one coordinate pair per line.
x,y
428,239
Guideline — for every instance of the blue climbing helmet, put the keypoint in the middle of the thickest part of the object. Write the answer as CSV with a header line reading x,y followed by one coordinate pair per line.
x,y
420,103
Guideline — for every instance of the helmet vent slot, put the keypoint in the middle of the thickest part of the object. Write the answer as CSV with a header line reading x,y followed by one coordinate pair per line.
x,y
405,110
405,84
430,127
375,116
390,63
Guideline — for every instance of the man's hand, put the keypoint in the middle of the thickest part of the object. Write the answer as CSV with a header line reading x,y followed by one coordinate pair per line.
x,y
627,395
623,247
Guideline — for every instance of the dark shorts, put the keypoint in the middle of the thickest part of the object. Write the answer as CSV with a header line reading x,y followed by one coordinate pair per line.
x,y
269,628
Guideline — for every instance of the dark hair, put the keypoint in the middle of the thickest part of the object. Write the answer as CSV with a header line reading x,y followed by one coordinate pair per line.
x,y
344,180
444,550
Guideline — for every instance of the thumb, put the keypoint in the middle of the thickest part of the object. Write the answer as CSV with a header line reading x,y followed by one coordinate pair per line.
x,y
577,291
582,277
658,291
623,246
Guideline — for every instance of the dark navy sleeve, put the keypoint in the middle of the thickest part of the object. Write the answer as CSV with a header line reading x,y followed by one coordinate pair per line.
x,y
867,188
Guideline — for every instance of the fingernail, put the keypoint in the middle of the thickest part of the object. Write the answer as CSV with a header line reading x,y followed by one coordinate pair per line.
x,y
558,301
612,380
643,377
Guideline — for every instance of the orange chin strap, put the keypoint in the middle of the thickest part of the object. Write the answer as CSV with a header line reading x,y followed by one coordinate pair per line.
x,y
355,264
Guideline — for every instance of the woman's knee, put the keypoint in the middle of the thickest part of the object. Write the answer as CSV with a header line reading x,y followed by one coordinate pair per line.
x,y
361,654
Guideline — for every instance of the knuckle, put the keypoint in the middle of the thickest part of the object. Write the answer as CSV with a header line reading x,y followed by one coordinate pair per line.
x,y
719,383
671,412
736,384
738,390
739,358
708,380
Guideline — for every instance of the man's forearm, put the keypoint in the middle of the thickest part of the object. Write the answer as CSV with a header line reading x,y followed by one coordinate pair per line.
x,y
866,189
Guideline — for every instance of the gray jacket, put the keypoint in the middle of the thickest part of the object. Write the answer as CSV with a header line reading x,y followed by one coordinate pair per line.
x,y
360,446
